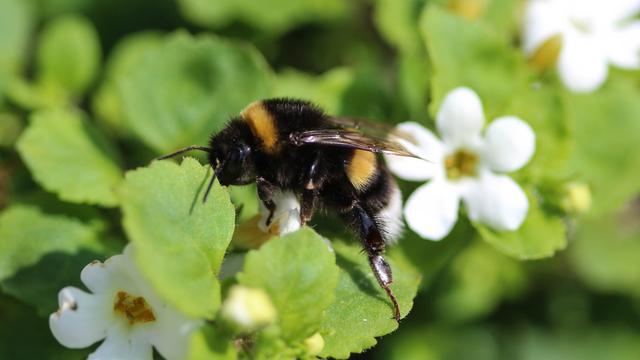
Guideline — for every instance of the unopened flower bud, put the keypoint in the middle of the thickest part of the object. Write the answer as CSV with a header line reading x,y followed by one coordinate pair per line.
x,y
577,198
247,309
314,344
468,9
546,56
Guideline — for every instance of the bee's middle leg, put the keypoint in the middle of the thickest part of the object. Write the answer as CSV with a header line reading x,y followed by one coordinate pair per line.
x,y
307,205
312,180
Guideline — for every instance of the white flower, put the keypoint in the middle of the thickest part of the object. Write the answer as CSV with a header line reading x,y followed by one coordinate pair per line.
x,y
122,309
464,167
593,33
286,217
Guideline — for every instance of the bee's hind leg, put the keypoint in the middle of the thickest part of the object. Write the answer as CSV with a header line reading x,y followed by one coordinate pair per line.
x,y
374,245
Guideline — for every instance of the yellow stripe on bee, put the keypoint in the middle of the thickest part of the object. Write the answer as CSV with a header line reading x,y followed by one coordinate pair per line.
x,y
262,124
362,168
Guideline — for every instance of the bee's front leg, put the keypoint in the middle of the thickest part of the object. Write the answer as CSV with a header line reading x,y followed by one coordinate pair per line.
x,y
265,193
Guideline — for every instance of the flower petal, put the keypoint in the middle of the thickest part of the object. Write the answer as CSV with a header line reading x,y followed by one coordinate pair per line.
x,y
170,334
105,277
496,200
427,145
582,65
617,10
460,118
432,210
623,46
509,144
81,320
123,346
137,284
543,19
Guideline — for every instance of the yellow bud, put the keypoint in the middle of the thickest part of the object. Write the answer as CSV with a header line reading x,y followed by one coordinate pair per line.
x,y
314,344
468,9
547,54
247,308
577,198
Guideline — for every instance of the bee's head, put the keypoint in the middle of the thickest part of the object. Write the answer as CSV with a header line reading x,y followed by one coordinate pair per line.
x,y
231,155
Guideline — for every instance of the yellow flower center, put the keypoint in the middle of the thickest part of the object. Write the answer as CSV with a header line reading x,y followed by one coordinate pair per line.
x,y
460,164
135,308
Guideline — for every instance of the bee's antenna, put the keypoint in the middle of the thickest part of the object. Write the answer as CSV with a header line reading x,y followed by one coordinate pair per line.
x,y
213,178
183,150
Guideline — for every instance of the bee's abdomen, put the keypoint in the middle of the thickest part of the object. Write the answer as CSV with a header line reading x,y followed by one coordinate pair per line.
x,y
361,169
389,217
383,199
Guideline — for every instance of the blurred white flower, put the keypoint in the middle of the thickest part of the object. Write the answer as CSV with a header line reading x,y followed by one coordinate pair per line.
x,y
464,167
590,34
124,310
247,309
286,217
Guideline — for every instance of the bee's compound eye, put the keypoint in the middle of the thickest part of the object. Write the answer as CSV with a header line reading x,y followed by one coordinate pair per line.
x,y
239,153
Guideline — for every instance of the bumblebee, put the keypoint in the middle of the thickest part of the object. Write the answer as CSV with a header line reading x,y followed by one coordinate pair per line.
x,y
329,162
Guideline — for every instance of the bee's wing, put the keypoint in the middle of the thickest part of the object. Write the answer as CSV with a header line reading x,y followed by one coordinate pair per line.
x,y
352,134
365,126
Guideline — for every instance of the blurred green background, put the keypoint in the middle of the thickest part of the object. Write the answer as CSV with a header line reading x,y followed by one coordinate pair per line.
x,y
381,59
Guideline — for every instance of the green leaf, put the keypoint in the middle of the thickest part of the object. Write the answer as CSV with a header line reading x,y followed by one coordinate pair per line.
x,y
52,8
205,80
477,56
544,110
606,143
398,23
431,257
540,236
605,252
471,293
605,339
245,199
40,254
10,128
209,343
16,23
179,241
325,90
298,272
469,54
25,336
68,156
361,310
274,16
503,15
126,55
69,54
413,84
